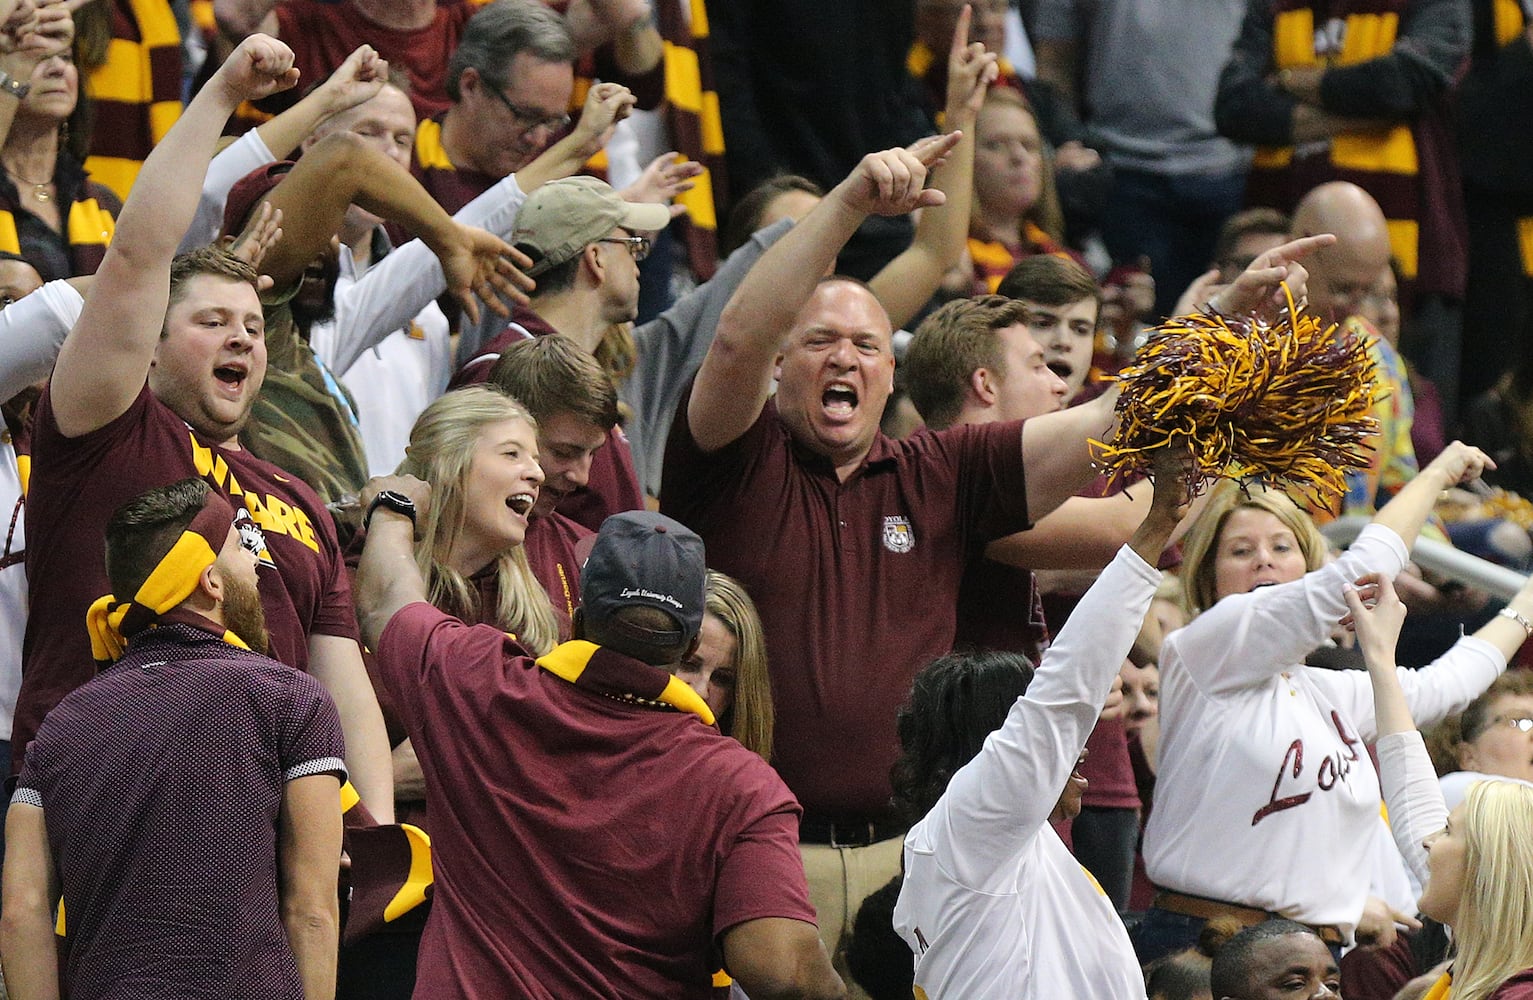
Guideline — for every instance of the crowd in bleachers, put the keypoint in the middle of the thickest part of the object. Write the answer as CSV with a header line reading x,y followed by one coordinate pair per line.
x,y
608,498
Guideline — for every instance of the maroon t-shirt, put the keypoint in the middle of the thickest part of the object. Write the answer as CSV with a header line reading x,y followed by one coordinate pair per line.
x,y
999,608
550,545
77,483
322,33
160,781
613,486
857,582
582,846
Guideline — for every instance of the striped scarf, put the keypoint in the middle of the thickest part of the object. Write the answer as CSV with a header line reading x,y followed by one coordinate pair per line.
x,y
696,127
137,91
88,225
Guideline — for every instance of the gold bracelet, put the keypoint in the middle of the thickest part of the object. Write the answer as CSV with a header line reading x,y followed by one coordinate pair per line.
x,y
1527,626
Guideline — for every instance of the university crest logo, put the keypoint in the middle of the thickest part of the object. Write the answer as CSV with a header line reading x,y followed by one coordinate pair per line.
x,y
898,536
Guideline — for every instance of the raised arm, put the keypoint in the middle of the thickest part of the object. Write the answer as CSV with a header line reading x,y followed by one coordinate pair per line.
x,y
31,891
909,280
388,578
1408,511
342,169
355,81
309,854
104,361
736,375
998,801
52,32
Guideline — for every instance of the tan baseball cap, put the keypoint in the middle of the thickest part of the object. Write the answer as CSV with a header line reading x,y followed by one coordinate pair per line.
x,y
563,217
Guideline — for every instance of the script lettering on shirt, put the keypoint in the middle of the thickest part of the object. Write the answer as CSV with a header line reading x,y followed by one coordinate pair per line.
x,y
271,514
1334,768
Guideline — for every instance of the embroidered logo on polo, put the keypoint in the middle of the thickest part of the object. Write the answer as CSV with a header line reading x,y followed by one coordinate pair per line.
x,y
898,535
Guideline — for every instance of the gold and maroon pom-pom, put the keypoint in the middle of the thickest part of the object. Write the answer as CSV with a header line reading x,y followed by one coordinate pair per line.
x,y
1287,402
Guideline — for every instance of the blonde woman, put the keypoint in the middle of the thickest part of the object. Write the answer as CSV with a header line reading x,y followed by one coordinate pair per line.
x,y
1476,863
1266,800
729,666
478,449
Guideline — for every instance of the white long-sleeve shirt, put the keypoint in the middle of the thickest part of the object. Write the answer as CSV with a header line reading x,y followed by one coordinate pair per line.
x,y
993,904
1266,795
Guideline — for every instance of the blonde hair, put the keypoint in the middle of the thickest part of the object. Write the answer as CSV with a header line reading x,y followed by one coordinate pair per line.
x,y
750,718
1495,905
441,452
1200,548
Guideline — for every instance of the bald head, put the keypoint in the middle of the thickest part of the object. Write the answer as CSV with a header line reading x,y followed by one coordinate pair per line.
x,y
1339,275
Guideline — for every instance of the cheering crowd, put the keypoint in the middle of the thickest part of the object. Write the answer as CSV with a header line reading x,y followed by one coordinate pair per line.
x,y
612,499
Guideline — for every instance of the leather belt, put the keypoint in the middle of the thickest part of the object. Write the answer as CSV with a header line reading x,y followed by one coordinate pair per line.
x,y
846,831
1207,909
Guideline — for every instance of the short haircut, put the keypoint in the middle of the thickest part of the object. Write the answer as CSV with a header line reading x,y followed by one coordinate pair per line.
x,y
955,702
213,261
745,218
1251,222
1050,280
1230,973
499,33
551,375
143,530
560,277
949,346
645,633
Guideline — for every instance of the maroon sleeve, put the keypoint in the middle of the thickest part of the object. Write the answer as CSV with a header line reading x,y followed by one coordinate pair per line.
x,y
336,615
694,482
991,482
421,644
309,732
763,875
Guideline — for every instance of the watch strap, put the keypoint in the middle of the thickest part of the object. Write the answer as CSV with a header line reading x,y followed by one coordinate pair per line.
x,y
16,88
394,501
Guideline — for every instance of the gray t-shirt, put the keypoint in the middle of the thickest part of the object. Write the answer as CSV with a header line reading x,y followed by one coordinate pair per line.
x,y
1151,73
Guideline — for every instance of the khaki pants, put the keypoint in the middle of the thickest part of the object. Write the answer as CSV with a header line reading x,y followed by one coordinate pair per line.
x,y
840,878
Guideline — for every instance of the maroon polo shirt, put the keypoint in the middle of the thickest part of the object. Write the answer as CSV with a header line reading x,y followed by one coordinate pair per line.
x,y
550,547
857,582
614,483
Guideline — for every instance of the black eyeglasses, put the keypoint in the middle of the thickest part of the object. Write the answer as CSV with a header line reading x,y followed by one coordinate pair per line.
x,y
528,118
637,245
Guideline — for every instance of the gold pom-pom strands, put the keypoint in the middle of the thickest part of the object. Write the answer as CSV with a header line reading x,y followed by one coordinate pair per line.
x,y
1288,401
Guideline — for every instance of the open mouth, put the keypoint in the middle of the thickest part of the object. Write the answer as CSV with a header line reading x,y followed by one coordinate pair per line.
x,y
839,400
521,503
230,376
1061,369
1264,583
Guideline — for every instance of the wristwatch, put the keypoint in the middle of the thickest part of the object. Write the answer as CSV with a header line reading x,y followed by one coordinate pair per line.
x,y
16,88
394,501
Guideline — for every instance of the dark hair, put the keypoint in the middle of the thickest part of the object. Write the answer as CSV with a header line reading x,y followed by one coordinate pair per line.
x,y
143,530
499,33
1183,975
949,346
876,956
955,702
1230,974
1251,222
1050,280
745,218
642,632
559,278
551,375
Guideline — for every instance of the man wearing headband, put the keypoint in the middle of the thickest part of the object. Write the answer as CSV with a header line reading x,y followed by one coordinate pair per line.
x,y
154,796
593,834
154,383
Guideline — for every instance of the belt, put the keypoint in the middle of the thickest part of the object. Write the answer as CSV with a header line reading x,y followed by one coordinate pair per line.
x,y
1199,906
846,831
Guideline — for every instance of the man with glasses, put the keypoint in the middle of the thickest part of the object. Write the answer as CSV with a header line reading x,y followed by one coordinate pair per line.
x,y
585,243
510,82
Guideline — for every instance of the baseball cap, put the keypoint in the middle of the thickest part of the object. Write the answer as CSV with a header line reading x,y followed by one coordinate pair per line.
x,y
644,559
563,217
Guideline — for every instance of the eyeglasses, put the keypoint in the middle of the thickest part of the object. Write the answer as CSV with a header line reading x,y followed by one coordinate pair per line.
x,y
529,118
637,245
1521,723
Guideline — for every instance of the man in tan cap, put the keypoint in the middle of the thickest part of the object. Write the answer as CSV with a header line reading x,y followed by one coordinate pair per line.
x,y
585,243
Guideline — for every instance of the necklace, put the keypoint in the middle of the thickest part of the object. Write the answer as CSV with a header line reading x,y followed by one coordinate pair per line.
x,y
39,191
